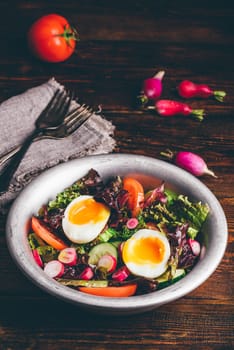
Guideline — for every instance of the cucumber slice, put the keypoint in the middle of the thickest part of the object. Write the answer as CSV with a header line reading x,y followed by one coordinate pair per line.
x,y
164,280
99,250
116,243
164,277
178,274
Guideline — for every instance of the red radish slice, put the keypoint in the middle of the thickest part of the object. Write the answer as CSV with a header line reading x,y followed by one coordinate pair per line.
x,y
37,258
121,274
107,262
195,246
54,268
87,274
132,223
120,248
68,256
120,251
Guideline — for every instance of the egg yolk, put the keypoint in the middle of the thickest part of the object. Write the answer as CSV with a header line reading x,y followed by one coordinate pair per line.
x,y
87,211
144,250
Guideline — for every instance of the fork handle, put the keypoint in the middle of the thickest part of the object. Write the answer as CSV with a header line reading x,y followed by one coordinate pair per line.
x,y
9,154
10,169
5,157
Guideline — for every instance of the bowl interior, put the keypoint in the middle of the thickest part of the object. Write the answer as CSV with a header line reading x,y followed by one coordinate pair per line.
x,y
150,172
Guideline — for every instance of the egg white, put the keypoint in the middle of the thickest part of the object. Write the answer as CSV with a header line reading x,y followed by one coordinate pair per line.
x,y
146,268
83,233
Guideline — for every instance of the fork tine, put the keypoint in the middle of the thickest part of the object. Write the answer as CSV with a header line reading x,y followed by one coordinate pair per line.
x,y
54,99
75,113
58,105
57,109
65,107
48,110
78,121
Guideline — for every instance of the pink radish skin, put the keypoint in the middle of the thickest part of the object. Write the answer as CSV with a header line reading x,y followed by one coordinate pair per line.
x,y
193,163
170,108
132,223
152,88
188,89
195,246
107,262
121,274
87,274
189,161
54,269
37,258
68,256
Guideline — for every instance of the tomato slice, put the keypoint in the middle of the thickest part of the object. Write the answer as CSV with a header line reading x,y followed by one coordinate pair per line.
x,y
46,235
113,292
136,194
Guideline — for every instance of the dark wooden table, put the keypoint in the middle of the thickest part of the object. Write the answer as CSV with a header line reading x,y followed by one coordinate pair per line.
x,y
122,43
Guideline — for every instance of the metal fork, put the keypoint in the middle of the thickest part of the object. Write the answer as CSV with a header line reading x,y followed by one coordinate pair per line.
x,y
52,116
70,124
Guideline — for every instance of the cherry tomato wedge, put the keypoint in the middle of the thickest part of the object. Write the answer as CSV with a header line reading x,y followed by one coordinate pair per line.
x,y
52,39
136,194
46,235
113,292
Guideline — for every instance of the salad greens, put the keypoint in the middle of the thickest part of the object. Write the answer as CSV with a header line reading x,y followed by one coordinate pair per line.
x,y
174,215
88,184
177,211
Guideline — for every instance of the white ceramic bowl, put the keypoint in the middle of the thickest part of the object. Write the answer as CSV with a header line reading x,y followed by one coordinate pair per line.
x,y
150,171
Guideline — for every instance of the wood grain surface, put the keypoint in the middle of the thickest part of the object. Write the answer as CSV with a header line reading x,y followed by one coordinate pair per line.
x,y
122,43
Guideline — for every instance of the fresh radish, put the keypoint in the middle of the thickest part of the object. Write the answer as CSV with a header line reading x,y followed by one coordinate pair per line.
x,y
169,108
188,89
68,256
107,262
121,274
120,250
189,161
86,274
37,258
54,268
152,88
195,246
132,223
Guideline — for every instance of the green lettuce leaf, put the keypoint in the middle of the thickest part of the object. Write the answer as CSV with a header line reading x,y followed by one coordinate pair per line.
x,y
176,212
64,198
194,214
35,241
47,253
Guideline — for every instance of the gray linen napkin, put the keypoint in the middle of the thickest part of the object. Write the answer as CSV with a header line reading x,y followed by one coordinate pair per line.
x,y
17,118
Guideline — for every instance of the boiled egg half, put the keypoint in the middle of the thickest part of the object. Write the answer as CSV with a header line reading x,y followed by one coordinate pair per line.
x,y
146,253
84,219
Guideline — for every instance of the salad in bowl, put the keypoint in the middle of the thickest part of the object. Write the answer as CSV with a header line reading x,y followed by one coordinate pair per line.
x,y
114,239
117,233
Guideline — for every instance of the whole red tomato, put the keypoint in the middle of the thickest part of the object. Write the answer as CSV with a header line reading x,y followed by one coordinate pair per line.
x,y
52,39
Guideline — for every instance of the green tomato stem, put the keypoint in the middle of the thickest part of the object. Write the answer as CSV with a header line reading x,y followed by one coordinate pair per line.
x,y
70,33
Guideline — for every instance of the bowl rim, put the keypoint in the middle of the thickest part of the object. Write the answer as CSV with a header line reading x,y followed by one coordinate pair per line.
x,y
134,304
